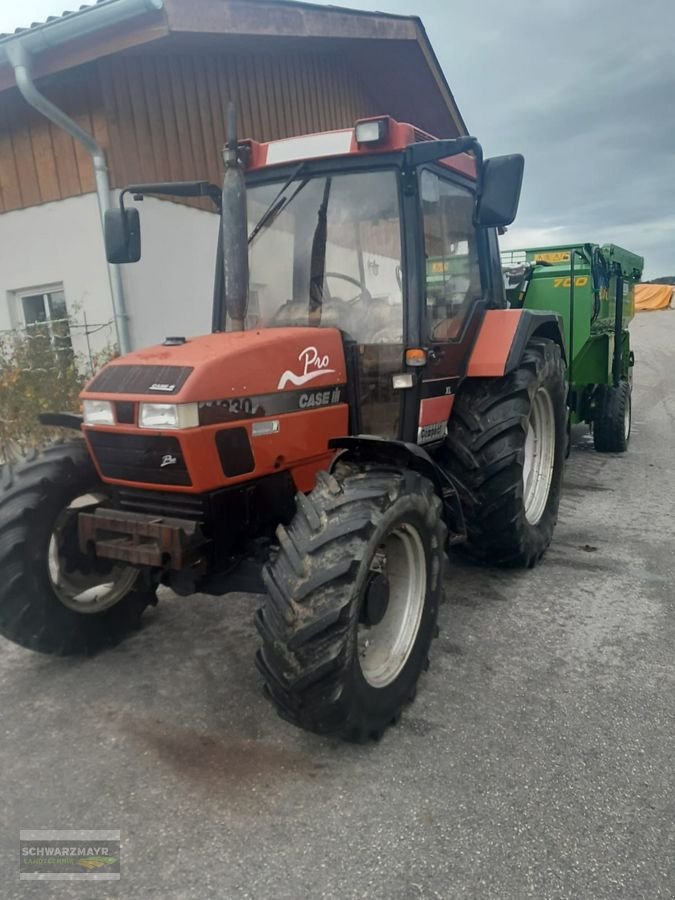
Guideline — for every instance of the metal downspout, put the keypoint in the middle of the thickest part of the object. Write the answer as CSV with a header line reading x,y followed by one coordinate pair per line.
x,y
20,60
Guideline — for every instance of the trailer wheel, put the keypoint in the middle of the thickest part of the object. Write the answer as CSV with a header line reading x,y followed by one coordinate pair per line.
x,y
352,601
52,598
612,418
506,447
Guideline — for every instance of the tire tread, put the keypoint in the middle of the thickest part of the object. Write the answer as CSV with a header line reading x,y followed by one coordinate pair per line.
x,y
308,619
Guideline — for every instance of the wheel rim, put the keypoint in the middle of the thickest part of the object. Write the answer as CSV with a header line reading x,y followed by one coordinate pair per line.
x,y
384,649
81,590
627,418
539,459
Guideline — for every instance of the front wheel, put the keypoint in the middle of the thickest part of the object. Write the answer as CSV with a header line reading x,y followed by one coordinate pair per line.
x,y
54,599
352,601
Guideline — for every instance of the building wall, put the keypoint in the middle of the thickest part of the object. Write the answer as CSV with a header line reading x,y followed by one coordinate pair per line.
x,y
52,244
40,163
166,113
170,291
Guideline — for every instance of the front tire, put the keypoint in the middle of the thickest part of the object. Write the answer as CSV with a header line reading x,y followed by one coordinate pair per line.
x,y
612,418
506,448
52,599
352,601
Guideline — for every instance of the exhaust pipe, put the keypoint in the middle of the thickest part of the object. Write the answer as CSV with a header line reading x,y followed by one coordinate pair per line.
x,y
234,230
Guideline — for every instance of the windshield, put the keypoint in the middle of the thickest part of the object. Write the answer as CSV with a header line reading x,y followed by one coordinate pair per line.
x,y
327,251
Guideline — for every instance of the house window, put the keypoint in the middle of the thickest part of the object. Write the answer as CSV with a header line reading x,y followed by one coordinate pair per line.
x,y
44,312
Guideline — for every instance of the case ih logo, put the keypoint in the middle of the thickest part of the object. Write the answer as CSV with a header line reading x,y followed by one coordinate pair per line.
x,y
313,366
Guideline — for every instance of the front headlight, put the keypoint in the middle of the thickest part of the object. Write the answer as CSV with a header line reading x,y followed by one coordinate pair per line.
x,y
97,412
168,415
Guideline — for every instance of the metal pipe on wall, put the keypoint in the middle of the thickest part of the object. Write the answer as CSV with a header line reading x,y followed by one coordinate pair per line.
x,y
20,60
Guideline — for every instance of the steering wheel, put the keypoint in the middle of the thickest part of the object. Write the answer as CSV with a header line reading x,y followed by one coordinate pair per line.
x,y
286,310
364,293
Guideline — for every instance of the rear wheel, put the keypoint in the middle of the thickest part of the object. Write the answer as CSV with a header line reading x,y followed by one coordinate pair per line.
x,y
54,599
506,447
612,418
352,601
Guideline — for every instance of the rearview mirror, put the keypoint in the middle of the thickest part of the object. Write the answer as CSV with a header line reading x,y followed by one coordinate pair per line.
x,y
502,180
122,235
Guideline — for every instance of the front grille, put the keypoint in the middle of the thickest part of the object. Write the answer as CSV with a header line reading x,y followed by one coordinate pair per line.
x,y
150,459
125,412
125,379
161,503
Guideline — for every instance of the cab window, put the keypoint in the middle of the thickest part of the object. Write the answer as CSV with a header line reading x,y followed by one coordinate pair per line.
x,y
452,268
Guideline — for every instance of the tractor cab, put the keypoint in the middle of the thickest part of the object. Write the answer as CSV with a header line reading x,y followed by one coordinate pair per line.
x,y
378,231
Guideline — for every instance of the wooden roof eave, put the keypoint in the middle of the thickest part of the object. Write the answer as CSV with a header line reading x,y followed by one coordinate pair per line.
x,y
282,19
151,27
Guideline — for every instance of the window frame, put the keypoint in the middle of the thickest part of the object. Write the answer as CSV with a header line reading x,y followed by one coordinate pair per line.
x,y
478,304
347,165
19,313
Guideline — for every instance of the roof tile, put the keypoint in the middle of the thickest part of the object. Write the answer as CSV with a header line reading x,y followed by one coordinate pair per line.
x,y
64,15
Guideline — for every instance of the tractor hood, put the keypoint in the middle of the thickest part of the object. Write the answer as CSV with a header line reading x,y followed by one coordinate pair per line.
x,y
225,366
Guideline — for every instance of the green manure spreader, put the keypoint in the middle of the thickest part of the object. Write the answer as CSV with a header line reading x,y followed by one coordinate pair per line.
x,y
592,289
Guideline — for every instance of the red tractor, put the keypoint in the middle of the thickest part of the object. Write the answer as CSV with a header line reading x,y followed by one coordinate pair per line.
x,y
365,402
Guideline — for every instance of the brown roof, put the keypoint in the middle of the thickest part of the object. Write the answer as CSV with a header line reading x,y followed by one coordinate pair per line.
x,y
391,52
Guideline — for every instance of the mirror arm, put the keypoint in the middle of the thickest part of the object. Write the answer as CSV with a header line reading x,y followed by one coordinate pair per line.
x,y
432,151
175,189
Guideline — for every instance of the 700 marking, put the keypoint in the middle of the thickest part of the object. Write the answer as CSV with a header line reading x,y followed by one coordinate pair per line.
x,y
579,281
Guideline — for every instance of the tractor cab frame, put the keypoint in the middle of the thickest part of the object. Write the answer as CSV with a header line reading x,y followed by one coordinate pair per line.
x,y
432,242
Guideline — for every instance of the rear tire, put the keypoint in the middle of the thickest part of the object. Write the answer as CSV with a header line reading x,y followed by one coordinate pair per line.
x,y
506,447
352,601
612,418
45,580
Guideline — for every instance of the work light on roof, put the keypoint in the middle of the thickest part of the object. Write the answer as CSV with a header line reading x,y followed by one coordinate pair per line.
x,y
371,131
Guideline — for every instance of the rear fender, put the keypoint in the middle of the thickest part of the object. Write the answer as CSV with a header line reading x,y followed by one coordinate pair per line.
x,y
503,336
403,455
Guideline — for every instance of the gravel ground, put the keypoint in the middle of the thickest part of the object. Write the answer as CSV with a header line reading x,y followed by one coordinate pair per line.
x,y
536,762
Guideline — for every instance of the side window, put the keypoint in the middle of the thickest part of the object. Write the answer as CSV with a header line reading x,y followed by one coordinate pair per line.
x,y
44,314
452,267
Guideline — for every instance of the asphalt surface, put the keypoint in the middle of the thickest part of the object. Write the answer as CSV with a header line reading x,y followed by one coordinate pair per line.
x,y
537,760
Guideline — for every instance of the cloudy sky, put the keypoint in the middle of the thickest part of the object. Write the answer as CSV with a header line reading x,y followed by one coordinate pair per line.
x,y
584,88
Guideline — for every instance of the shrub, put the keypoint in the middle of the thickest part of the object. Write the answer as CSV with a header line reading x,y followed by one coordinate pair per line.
x,y
38,373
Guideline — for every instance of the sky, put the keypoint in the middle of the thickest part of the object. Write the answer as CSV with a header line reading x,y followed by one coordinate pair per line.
x,y
585,89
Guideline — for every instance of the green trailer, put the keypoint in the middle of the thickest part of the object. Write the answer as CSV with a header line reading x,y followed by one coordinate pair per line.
x,y
592,288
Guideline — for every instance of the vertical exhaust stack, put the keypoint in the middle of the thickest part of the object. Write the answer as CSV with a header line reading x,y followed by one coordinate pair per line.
x,y
235,230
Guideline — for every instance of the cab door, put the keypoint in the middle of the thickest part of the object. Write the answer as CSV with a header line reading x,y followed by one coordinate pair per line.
x,y
453,296
362,292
